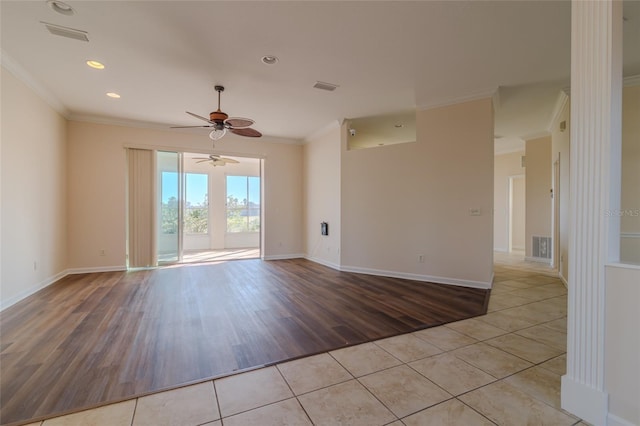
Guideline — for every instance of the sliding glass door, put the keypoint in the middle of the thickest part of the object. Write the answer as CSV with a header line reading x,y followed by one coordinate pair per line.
x,y
184,207
169,203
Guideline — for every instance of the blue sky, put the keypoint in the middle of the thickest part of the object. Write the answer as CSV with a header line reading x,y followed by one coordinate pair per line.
x,y
197,187
237,187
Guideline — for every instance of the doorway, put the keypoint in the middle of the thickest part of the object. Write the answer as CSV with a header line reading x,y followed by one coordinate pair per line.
x,y
517,211
204,211
555,218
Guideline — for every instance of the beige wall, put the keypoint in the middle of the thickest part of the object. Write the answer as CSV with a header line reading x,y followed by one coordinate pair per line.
x,y
505,166
34,195
560,141
322,196
404,201
538,178
622,344
97,188
630,220
630,205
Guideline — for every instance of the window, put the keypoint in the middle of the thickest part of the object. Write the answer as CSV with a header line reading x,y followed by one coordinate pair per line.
x,y
196,208
169,206
243,204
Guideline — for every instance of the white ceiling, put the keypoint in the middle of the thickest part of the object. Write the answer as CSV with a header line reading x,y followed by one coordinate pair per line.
x,y
165,57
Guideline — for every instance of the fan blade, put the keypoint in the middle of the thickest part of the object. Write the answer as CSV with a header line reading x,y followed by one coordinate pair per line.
x,y
238,122
251,133
203,160
189,127
200,117
229,160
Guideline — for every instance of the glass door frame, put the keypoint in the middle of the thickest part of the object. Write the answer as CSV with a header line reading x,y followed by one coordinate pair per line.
x,y
161,238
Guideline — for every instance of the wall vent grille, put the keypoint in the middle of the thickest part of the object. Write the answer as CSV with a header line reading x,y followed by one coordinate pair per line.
x,y
325,86
541,247
66,32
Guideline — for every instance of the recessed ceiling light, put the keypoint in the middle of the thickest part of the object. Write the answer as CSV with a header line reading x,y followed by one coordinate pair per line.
x,y
397,126
269,59
61,7
113,95
95,64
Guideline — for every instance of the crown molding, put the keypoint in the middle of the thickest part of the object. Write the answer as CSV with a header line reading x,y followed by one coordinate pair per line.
x,y
21,74
96,119
110,121
561,102
483,94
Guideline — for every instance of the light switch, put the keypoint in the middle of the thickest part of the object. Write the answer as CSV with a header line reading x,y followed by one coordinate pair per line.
x,y
475,212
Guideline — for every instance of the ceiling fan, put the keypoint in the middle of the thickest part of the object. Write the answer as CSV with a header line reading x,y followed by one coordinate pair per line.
x,y
220,122
216,160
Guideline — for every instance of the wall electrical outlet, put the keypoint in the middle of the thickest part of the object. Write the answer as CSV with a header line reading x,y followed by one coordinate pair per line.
x,y
103,252
421,258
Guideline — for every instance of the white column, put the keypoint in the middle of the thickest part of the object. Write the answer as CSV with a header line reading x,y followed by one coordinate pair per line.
x,y
596,99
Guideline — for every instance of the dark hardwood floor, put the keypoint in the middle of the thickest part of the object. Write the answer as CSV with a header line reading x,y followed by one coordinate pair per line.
x,y
96,338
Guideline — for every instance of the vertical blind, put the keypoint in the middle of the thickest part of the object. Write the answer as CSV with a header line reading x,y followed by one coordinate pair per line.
x,y
141,212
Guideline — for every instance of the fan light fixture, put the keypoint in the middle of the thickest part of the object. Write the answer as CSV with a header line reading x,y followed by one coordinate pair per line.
x,y
220,122
217,134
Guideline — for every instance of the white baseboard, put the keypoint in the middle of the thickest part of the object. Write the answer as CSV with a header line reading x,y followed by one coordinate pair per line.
x,y
590,404
418,277
403,275
47,282
613,420
324,262
538,259
31,290
564,280
283,256
75,271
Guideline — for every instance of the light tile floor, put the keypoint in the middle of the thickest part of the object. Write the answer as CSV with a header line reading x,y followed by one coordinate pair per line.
x,y
501,368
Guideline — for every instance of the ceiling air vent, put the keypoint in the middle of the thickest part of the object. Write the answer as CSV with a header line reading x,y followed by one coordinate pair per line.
x,y
66,32
325,86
